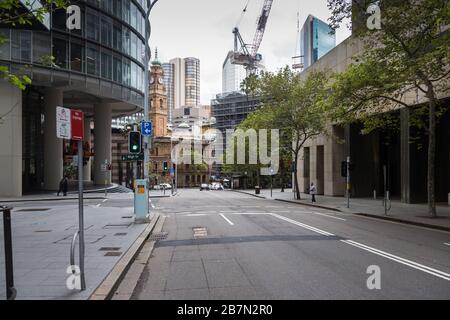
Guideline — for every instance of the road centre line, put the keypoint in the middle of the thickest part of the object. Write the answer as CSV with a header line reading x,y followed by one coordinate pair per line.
x,y
381,253
226,219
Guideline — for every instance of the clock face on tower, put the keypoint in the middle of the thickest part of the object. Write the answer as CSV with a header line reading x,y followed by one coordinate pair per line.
x,y
160,80
152,80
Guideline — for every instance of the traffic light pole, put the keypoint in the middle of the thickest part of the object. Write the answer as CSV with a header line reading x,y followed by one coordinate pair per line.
x,y
348,182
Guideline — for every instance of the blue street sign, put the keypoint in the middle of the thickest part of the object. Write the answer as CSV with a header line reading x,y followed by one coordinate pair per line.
x,y
146,128
172,172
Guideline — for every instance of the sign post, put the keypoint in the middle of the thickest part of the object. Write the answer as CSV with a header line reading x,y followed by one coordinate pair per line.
x,y
70,125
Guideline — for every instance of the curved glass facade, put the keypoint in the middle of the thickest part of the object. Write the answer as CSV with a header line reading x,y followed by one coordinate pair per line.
x,y
108,50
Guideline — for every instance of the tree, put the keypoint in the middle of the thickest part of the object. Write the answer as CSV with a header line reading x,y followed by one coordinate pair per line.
x,y
13,14
409,53
294,106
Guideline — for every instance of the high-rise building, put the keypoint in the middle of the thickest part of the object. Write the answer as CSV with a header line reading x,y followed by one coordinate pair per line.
x,y
97,66
169,74
232,75
192,81
316,39
182,82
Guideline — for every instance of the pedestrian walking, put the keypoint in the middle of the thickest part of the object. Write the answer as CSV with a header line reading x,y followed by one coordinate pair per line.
x,y
63,186
313,192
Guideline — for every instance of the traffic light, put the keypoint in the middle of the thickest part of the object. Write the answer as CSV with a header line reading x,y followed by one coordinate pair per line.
x,y
165,166
134,142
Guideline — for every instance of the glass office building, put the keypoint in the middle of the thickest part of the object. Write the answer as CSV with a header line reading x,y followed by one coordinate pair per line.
x,y
97,68
316,40
192,78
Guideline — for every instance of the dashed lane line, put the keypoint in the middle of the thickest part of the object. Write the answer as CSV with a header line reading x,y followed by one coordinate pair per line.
x,y
226,219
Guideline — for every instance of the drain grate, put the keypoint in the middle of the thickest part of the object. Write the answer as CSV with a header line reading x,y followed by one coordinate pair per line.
x,y
120,234
43,231
200,232
118,225
113,254
158,236
127,217
33,209
109,249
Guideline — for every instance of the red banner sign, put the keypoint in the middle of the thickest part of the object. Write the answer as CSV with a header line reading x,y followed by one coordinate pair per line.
x,y
77,124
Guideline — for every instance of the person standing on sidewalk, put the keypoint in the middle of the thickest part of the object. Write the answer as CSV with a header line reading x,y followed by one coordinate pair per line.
x,y
313,192
63,186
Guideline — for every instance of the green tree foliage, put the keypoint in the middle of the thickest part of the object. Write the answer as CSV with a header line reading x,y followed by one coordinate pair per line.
x,y
293,105
409,54
13,15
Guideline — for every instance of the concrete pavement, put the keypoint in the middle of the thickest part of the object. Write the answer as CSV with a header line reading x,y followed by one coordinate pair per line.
x,y
225,245
42,233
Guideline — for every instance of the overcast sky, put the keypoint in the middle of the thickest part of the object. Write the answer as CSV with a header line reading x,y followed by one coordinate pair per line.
x,y
203,29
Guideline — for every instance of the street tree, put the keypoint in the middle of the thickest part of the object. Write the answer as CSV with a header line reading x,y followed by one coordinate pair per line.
x,y
410,52
293,105
13,14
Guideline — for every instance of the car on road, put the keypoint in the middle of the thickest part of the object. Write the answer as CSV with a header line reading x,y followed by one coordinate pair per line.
x,y
162,186
205,186
217,186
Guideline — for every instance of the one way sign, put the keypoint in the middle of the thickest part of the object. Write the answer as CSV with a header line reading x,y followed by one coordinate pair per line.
x,y
146,128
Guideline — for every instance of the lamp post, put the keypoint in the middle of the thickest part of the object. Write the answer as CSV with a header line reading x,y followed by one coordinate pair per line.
x,y
147,140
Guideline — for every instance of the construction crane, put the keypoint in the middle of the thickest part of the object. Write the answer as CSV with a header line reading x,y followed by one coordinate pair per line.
x,y
247,55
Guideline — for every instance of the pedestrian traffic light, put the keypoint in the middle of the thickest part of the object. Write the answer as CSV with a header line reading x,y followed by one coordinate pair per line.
x,y
134,142
165,166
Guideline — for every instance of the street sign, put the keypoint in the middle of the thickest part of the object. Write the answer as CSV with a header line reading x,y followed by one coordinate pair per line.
x,y
146,128
133,157
63,123
172,172
77,124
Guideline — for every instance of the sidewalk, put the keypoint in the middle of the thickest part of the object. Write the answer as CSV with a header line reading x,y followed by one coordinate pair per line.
x,y
401,212
41,247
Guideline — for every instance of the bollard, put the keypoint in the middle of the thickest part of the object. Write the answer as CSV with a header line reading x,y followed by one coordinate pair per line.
x,y
7,234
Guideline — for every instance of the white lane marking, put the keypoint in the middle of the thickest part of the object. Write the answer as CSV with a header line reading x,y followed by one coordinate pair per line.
x,y
326,215
196,215
384,254
226,219
105,200
447,244
250,213
98,206
322,232
401,260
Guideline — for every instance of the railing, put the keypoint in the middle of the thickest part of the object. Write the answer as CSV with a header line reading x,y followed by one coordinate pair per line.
x,y
11,292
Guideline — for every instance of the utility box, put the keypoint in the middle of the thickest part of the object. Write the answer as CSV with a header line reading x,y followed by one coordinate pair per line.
x,y
141,207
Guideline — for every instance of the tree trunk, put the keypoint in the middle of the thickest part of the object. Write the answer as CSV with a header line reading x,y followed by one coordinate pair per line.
x,y
297,189
431,154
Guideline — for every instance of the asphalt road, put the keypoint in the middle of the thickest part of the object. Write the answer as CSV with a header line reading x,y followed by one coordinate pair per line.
x,y
227,245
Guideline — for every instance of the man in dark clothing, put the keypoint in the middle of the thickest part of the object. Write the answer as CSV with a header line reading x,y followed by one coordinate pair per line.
x,y
63,186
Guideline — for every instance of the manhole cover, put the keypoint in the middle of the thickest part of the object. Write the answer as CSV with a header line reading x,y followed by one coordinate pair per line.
x,y
158,236
118,225
120,234
33,209
109,249
113,254
200,232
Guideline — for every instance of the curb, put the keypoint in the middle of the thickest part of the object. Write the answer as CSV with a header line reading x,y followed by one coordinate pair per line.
x,y
106,289
50,199
374,216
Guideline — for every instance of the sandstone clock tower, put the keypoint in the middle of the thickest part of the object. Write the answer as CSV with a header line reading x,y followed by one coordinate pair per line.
x,y
158,100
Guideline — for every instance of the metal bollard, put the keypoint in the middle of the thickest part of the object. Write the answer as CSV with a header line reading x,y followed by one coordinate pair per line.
x,y
10,290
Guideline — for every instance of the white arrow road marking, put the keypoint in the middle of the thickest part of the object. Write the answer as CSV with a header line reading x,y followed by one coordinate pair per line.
x,y
226,219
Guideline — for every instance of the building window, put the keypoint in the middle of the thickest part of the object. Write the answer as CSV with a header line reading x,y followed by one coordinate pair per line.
x,y
117,69
92,60
106,31
117,37
76,56
60,52
92,25
106,65
41,47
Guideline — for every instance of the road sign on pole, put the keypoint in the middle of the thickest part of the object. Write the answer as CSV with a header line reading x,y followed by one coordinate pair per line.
x,y
146,128
77,125
63,123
